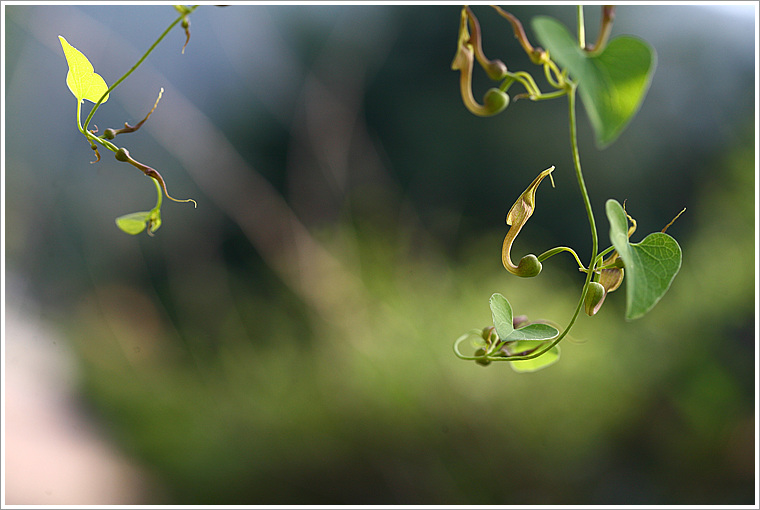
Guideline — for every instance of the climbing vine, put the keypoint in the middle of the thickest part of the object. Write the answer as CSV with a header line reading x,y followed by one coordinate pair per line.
x,y
612,77
86,84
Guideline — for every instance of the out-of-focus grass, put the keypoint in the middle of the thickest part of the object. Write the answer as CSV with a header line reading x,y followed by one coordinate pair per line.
x,y
264,400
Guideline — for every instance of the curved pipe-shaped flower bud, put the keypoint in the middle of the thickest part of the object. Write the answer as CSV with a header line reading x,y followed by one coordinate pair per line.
x,y
496,69
495,100
518,215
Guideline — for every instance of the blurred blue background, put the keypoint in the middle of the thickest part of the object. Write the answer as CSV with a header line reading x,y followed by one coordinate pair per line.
x,y
289,341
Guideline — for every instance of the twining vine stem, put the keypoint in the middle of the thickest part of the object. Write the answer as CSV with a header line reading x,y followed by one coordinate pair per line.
x,y
84,130
571,96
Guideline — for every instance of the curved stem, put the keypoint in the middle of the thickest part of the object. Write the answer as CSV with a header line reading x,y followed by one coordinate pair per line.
x,y
594,237
160,194
605,252
112,87
554,251
542,96
473,332
552,81
90,137
79,117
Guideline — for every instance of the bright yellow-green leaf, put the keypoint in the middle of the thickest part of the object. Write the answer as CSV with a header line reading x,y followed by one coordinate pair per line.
x,y
82,79
531,365
133,223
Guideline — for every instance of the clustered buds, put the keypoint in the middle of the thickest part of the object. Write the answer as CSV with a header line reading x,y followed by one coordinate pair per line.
x,y
470,49
610,278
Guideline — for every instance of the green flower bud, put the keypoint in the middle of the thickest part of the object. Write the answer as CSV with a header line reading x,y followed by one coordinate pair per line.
x,y
528,267
489,335
483,361
594,298
122,155
495,101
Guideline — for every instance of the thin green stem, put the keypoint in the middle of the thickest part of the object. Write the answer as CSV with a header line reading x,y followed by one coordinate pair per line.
x,y
581,28
471,333
79,116
605,252
160,194
112,87
543,97
90,137
552,81
554,251
594,237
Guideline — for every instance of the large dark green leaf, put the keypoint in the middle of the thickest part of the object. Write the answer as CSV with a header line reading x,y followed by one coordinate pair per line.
x,y
650,265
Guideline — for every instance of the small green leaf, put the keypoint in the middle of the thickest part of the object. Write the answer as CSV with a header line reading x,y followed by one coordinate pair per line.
x,y
650,265
536,331
531,365
134,223
612,83
501,312
82,79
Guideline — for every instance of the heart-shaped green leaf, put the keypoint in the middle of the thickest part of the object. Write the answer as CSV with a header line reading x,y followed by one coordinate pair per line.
x,y
531,365
82,79
612,83
501,311
650,265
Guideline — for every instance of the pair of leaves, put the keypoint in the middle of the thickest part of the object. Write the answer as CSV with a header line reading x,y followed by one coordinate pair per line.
x,y
650,265
82,79
612,83
524,339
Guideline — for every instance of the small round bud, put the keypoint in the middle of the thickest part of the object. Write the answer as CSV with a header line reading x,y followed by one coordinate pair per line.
x,y
528,267
109,134
594,298
496,70
483,361
489,334
122,155
495,101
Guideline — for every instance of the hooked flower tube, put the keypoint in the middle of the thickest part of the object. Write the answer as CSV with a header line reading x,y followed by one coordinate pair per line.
x,y
518,215
468,48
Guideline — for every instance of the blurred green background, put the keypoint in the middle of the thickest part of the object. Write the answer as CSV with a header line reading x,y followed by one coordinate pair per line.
x,y
289,341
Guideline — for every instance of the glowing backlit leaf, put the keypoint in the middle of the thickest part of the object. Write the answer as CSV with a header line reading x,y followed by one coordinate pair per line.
x,y
82,79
